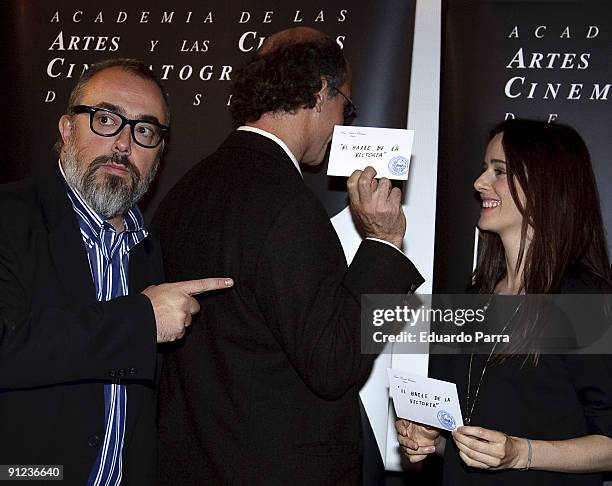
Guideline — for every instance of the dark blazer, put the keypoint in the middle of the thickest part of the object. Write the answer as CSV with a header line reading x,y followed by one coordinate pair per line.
x,y
264,388
58,345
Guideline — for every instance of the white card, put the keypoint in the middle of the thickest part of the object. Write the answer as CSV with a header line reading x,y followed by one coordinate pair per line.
x,y
388,150
425,400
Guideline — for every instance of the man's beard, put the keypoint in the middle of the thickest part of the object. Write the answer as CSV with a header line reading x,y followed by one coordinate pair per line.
x,y
109,195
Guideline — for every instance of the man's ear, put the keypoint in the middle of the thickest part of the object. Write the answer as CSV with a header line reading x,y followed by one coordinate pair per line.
x,y
321,95
65,126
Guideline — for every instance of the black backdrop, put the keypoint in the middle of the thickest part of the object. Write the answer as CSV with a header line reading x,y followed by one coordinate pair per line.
x,y
189,36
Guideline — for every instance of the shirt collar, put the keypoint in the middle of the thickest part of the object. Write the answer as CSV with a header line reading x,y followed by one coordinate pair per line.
x,y
133,220
274,138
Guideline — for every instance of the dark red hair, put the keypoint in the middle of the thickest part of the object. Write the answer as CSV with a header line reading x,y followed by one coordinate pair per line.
x,y
552,165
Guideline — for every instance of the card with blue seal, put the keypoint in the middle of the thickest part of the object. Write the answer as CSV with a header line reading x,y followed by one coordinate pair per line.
x,y
388,150
425,400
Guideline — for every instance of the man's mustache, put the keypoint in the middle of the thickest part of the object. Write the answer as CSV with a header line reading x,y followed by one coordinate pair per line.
x,y
116,159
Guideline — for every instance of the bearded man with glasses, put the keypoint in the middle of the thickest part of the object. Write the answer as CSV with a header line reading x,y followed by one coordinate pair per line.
x,y
81,304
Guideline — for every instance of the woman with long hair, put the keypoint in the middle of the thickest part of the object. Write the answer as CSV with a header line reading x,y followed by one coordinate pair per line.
x,y
531,418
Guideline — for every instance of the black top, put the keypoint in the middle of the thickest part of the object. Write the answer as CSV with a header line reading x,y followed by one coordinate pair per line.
x,y
563,397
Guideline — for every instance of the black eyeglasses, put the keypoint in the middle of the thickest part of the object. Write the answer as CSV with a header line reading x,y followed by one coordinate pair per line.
x,y
107,123
350,110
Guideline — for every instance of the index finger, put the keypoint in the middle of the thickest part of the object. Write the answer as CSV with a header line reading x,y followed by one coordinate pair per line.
x,y
365,186
408,443
478,432
401,425
351,185
199,286
429,432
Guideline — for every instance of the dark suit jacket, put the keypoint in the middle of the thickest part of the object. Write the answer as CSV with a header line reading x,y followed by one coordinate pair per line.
x,y
263,390
58,345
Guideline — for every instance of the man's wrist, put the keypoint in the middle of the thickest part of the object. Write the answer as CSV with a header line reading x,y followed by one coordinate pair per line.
x,y
396,242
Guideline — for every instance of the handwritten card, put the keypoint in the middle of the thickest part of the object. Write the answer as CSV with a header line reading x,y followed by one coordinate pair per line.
x,y
425,400
388,150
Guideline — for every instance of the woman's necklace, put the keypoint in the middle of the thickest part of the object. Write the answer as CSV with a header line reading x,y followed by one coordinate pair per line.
x,y
469,409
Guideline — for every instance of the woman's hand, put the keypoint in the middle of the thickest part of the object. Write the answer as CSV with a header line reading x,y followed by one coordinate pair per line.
x,y
489,449
417,441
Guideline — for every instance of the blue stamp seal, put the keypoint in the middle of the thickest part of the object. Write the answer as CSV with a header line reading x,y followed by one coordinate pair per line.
x,y
447,420
398,165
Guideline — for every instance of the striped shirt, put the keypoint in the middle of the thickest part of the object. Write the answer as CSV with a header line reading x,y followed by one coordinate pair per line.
x,y
108,255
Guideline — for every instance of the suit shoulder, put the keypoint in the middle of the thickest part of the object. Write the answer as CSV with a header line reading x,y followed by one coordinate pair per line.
x,y
241,173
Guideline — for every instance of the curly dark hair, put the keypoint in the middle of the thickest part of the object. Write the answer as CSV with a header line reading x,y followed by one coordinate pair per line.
x,y
286,78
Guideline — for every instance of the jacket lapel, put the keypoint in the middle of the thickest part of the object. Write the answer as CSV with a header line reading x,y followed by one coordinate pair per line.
x,y
140,266
65,241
